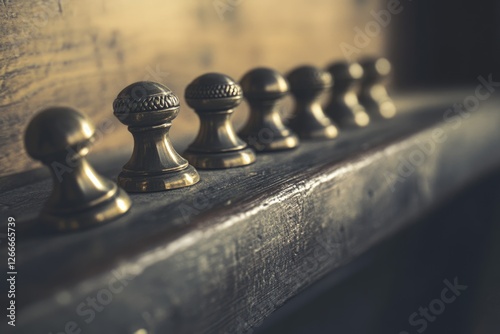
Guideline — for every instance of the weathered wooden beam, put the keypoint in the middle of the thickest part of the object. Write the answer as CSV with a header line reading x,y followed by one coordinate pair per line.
x,y
221,256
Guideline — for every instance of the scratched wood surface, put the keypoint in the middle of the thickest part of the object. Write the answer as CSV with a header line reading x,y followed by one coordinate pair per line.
x,y
81,53
223,255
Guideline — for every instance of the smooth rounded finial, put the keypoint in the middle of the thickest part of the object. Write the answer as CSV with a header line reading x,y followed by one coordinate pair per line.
x,y
375,68
60,138
148,108
345,73
309,81
264,84
343,106
307,84
213,97
55,130
264,131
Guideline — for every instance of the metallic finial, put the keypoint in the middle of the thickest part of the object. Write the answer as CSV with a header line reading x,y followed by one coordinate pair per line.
x,y
61,138
307,84
264,131
213,96
148,108
373,94
343,106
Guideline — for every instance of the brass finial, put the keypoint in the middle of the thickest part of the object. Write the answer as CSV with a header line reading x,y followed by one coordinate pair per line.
x,y
264,131
148,108
307,84
373,94
343,106
61,138
214,96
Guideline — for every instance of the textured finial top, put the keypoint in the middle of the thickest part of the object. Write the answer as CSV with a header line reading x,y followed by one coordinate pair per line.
x,y
213,91
309,80
345,71
55,130
264,84
376,67
145,102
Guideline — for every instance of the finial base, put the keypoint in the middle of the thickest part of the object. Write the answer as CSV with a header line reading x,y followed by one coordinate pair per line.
x,y
220,160
379,109
348,116
315,132
110,206
264,145
141,183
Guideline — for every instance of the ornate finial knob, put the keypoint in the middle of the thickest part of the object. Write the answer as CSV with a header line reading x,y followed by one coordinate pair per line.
x,y
148,108
264,88
343,107
373,94
307,84
60,138
213,96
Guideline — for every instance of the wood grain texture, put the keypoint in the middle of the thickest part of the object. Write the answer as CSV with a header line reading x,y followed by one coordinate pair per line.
x,y
81,54
221,256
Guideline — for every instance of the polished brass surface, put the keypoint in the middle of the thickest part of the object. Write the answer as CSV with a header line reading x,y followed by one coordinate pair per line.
x,y
60,138
148,108
214,96
373,94
343,106
308,84
264,131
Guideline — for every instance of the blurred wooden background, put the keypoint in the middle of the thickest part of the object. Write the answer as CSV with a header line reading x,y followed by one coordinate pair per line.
x,y
81,54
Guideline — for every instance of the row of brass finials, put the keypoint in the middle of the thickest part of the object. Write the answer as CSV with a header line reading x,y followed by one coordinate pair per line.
x,y
83,198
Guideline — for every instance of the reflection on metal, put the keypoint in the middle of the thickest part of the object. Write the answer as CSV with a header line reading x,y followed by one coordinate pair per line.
x,y
343,106
60,138
373,94
307,84
148,108
263,88
213,96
